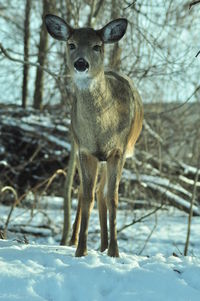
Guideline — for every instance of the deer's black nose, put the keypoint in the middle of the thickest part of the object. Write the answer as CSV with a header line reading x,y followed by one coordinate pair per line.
x,y
81,65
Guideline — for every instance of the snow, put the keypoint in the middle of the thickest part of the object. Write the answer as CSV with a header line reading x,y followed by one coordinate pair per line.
x,y
30,272
189,181
190,169
43,270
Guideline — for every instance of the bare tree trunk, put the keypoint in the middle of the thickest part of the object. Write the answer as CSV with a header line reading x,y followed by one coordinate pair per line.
x,y
92,5
42,51
115,55
98,8
69,9
26,52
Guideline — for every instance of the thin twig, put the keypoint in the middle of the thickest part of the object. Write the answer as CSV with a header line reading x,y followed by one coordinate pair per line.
x,y
191,208
58,172
6,54
56,77
131,4
33,156
149,236
3,190
197,53
194,3
182,104
139,220
18,200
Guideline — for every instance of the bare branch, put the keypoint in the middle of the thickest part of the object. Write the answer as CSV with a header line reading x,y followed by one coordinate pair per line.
x,y
55,76
183,103
139,220
149,236
131,4
4,189
194,3
98,8
7,55
191,207
197,53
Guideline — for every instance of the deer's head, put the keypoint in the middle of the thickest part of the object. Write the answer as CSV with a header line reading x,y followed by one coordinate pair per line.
x,y
85,46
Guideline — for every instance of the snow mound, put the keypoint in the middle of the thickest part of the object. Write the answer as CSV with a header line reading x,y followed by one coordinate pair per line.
x,y
32,272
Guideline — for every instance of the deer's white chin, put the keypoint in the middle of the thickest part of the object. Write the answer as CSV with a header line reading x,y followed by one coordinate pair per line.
x,y
82,80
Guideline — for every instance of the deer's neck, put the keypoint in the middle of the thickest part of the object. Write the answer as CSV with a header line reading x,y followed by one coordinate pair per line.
x,y
93,93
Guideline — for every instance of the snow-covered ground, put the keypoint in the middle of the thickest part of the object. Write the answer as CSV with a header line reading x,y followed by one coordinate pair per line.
x,y
41,272
146,270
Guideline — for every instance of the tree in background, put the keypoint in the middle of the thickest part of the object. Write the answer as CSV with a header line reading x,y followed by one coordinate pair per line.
x,y
42,52
158,53
26,52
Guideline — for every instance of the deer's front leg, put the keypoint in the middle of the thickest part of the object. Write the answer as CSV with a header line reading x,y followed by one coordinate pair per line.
x,y
114,168
88,175
101,200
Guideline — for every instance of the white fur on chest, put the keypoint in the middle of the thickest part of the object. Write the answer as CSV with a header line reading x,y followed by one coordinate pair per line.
x,y
82,80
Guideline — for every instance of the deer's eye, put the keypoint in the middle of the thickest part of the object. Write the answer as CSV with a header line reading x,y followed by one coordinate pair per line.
x,y
72,46
97,48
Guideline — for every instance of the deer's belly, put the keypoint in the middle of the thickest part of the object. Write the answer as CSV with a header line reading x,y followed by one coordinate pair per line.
x,y
100,135
102,144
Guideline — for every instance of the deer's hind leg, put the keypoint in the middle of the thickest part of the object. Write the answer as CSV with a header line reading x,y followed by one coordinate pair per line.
x,y
115,164
101,200
75,231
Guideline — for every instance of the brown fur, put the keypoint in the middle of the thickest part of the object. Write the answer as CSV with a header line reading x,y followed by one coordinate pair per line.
x,y
106,121
108,130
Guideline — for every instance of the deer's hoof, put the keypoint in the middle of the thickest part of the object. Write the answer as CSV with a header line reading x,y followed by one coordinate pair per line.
x,y
104,246
73,242
113,251
80,252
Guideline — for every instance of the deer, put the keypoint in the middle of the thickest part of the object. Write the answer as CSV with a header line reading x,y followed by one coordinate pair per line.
x,y
106,121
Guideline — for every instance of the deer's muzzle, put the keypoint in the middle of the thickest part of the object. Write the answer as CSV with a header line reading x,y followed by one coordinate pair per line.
x,y
81,65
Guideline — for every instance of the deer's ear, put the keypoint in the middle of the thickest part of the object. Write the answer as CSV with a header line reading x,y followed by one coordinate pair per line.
x,y
113,31
57,27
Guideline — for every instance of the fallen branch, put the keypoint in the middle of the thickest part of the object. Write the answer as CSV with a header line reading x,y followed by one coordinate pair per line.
x,y
175,200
